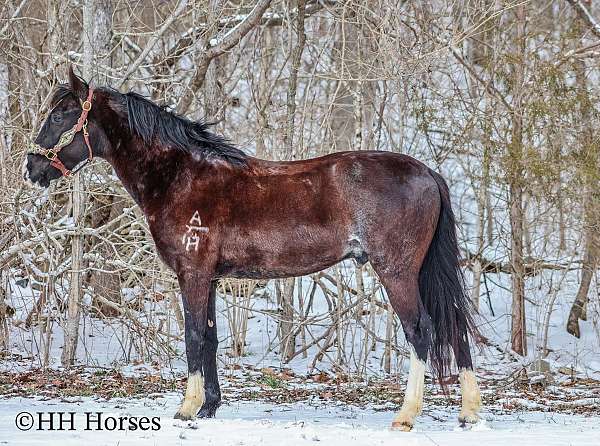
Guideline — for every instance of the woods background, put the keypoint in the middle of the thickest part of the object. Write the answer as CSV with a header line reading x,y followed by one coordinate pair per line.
x,y
499,96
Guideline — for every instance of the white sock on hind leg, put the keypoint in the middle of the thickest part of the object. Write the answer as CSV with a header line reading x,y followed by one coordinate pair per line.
x,y
413,397
471,397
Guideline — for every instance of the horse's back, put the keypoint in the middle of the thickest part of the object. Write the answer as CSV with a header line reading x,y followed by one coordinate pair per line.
x,y
356,160
349,182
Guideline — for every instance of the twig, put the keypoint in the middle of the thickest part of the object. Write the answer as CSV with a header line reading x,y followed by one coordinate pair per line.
x,y
153,41
231,39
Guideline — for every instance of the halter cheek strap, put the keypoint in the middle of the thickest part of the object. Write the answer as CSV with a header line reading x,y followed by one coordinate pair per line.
x,y
67,138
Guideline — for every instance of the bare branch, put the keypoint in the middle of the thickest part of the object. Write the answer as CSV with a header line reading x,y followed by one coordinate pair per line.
x,y
231,39
14,15
586,16
187,40
152,42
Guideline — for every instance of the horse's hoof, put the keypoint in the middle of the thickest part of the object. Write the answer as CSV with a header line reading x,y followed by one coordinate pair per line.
x,y
208,411
471,418
183,417
401,426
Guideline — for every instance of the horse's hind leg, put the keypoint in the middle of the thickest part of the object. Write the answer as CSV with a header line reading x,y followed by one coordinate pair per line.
x,y
471,397
403,293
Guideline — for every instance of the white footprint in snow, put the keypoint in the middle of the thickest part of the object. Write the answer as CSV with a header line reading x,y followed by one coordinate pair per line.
x,y
481,425
188,424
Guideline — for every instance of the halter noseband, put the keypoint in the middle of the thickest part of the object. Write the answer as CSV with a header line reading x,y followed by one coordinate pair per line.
x,y
67,138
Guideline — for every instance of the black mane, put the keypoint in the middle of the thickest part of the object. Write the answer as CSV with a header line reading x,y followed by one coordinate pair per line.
x,y
154,123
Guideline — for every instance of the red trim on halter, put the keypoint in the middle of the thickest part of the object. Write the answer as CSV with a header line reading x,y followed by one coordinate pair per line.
x,y
52,154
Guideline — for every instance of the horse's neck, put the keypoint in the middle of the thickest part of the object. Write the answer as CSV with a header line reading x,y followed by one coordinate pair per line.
x,y
146,173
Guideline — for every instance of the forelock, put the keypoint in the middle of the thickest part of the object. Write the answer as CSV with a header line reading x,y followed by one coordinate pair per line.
x,y
61,92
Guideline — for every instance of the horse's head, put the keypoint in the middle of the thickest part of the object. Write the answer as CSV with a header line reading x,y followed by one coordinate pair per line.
x,y
68,138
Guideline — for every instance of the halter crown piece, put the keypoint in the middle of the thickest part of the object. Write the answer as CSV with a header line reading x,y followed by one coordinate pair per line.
x,y
67,138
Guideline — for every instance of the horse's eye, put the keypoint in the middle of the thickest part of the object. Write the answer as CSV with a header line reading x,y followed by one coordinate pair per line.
x,y
56,118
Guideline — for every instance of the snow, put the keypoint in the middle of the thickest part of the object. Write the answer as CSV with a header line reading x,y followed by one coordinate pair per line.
x,y
251,423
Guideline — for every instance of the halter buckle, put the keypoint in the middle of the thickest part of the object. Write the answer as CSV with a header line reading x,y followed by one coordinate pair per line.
x,y
86,105
51,154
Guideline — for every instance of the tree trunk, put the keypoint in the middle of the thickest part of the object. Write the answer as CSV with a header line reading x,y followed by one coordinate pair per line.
x,y
288,135
214,96
353,98
262,92
591,195
96,40
578,309
107,282
4,331
515,155
16,115
285,300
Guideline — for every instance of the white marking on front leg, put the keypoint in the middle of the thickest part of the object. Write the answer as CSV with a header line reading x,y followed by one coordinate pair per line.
x,y
413,397
471,397
194,397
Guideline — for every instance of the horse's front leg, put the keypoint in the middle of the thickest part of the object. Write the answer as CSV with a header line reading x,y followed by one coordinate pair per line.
x,y
212,390
195,290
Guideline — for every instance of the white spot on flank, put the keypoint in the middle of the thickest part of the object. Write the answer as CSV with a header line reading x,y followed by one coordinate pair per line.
x,y
191,239
354,238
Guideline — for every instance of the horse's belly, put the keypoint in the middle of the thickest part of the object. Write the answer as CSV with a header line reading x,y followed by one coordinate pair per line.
x,y
276,257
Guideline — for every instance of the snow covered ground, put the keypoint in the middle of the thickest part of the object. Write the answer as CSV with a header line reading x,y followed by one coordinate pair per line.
x,y
251,423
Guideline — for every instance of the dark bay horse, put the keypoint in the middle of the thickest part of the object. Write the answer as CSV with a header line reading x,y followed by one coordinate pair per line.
x,y
215,212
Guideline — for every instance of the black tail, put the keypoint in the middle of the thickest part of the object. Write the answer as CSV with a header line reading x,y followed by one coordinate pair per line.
x,y
442,288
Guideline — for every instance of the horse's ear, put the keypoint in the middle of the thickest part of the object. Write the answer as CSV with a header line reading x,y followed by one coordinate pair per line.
x,y
78,85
